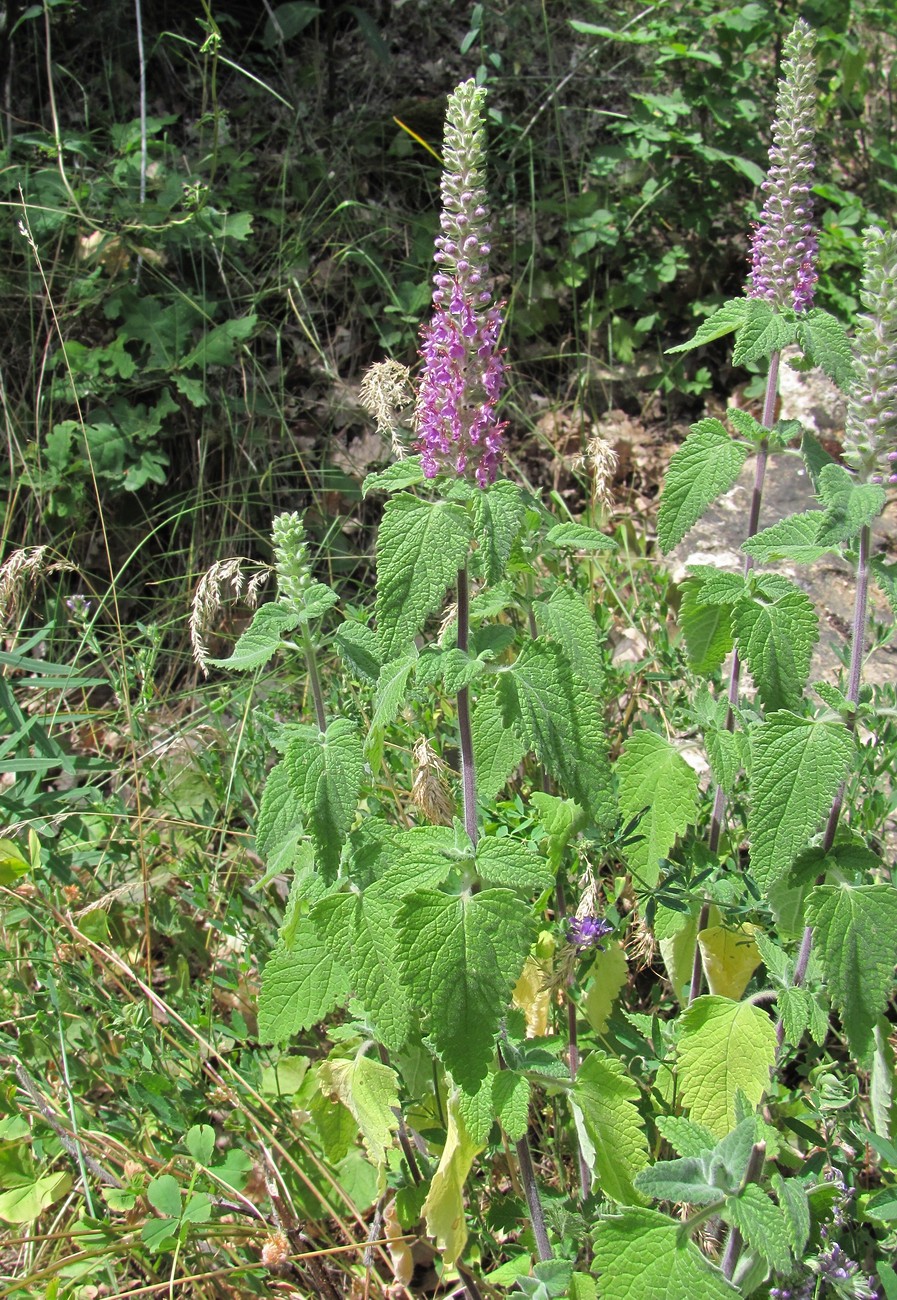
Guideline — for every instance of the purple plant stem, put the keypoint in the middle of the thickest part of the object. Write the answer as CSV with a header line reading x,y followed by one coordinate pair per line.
x,y
537,1217
857,646
735,1240
719,797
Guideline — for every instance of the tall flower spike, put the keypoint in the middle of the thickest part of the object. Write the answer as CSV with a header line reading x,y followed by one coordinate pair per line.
x,y
455,416
291,560
870,435
783,246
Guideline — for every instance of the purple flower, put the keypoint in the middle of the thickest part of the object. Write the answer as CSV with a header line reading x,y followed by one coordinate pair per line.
x,y
455,416
783,246
870,434
587,931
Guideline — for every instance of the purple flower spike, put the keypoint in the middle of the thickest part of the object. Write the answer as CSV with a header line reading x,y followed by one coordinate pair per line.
x,y
587,931
783,246
455,416
870,435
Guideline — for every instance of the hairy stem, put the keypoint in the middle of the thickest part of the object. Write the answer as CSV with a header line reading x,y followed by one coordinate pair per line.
x,y
736,1241
311,663
536,1215
468,772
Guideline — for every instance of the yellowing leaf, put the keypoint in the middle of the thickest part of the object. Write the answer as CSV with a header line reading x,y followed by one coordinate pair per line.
x,y
609,974
730,959
444,1206
725,1046
532,997
13,863
369,1090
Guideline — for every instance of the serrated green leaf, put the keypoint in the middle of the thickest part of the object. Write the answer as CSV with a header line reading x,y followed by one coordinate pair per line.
x,y
655,780
824,342
420,857
801,1012
504,861
850,505
478,1111
707,629
454,668
795,538
775,633
717,586
606,1099
562,819
744,423
609,974
855,938
369,1090
510,1100
359,650
421,546
764,331
316,599
704,467
392,685
497,750
567,619
358,931
726,752
815,457
685,1136
325,776
797,765
300,986
498,515
641,1255
279,826
725,1047
723,321
580,538
460,958
763,1225
559,719
261,639
792,1197
678,1180
400,474
886,578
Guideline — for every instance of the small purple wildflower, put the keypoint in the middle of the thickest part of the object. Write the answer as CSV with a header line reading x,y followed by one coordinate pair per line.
x,y
463,375
78,605
783,246
587,931
870,435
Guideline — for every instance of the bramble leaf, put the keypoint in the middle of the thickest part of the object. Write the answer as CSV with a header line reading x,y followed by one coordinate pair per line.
x,y
567,619
300,985
640,1255
325,776
797,765
559,719
358,930
776,632
261,639
704,467
725,1047
724,320
420,548
655,780
460,957
497,749
855,938
850,505
605,1098
369,1090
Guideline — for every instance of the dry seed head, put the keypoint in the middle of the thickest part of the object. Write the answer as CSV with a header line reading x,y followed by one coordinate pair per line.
x,y
276,1251
22,569
601,461
430,790
225,580
385,393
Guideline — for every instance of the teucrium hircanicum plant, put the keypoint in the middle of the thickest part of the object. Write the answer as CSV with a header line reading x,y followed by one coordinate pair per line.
x,y
456,937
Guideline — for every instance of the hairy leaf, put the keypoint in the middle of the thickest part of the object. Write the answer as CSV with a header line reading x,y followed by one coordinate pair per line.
x,y
824,342
261,639
359,650
850,505
498,515
764,331
795,538
763,1224
725,1047
678,1180
506,861
389,697
369,1090
723,321
655,780
279,826
497,750
400,474
886,578
704,467
776,632
685,1136
300,985
707,629
510,1100
580,537
606,1099
792,1195
641,1255
567,619
325,776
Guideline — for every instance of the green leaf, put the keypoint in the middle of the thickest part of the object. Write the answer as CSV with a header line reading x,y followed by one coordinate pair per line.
x,y
580,538
797,765
642,1255
279,826
325,776
776,632
164,1195
219,346
360,651
567,619
726,751
886,577
795,538
418,858
300,986
13,863
454,668
850,505
678,1180
792,1196
460,958
510,1099
559,719
824,342
261,639
498,515
606,1099
400,474
26,1202
198,1208
800,1011
200,1142
392,685
160,1234
717,586
707,628
685,1136
855,938
727,318
369,1090
725,1047
763,1225
815,457
420,548
704,467
357,929
764,331
506,861
497,750
478,1111
562,819
654,780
